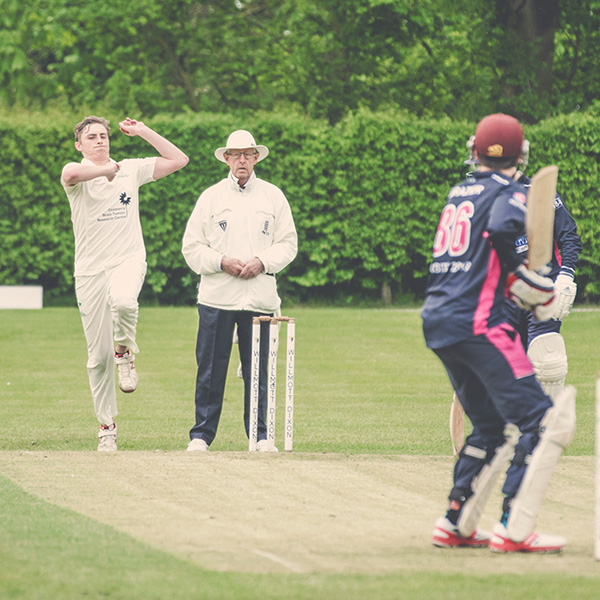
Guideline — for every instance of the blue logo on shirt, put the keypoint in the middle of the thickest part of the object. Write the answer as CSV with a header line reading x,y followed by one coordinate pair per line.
x,y
521,245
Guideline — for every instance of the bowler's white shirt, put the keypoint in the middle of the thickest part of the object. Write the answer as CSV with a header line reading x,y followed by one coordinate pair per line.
x,y
106,219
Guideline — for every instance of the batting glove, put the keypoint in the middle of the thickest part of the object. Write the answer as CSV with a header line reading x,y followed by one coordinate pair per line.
x,y
565,290
544,312
531,291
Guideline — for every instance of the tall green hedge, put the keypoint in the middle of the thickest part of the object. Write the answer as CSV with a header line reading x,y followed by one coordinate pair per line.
x,y
366,195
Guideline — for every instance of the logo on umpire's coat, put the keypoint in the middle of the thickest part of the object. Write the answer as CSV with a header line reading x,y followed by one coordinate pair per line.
x,y
223,225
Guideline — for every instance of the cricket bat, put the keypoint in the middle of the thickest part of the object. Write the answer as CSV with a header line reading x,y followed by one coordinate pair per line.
x,y
457,425
539,221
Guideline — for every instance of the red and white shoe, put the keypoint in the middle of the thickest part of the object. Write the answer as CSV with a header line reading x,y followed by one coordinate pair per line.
x,y
107,441
500,542
128,377
446,535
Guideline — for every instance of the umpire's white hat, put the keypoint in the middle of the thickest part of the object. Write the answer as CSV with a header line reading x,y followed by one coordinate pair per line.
x,y
240,140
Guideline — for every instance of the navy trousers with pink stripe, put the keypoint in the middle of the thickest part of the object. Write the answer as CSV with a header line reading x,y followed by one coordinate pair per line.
x,y
495,383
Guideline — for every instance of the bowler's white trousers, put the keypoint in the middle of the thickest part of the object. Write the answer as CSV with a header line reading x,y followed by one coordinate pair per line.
x,y
108,304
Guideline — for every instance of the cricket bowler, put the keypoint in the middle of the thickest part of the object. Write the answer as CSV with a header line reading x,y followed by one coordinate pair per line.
x,y
110,257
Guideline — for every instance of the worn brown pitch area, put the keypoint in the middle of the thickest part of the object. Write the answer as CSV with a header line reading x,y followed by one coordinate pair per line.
x,y
299,513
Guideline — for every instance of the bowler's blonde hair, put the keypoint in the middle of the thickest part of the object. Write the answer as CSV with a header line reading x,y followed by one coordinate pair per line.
x,y
88,121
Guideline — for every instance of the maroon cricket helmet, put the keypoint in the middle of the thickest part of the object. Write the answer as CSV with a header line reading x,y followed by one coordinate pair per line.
x,y
499,136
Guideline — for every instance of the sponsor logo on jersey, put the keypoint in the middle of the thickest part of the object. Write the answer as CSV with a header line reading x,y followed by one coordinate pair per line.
x,y
455,266
460,191
518,202
500,179
521,245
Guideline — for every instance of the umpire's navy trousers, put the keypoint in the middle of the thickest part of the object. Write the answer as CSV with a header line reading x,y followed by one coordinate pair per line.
x,y
494,381
213,350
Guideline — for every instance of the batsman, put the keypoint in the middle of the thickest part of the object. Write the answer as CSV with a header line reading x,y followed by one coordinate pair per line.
x,y
475,268
543,340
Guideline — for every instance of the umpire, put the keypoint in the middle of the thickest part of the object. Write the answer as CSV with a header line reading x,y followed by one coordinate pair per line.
x,y
240,234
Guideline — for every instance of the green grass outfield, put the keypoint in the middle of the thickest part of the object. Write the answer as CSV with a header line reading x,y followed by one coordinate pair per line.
x,y
369,397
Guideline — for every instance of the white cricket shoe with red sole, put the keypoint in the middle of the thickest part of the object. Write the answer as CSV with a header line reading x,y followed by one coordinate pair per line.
x,y
107,438
446,535
128,377
536,542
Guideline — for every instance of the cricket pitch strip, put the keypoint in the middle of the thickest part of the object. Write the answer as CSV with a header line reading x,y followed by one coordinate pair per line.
x,y
299,513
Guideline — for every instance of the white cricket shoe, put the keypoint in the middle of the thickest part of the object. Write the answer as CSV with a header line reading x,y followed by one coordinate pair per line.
x,y
500,542
128,377
446,535
107,438
197,445
263,446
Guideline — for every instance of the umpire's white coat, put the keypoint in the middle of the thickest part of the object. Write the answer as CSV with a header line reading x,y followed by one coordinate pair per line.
x,y
240,223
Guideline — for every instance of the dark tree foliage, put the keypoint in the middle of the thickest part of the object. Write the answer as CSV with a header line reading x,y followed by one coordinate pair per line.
x,y
321,58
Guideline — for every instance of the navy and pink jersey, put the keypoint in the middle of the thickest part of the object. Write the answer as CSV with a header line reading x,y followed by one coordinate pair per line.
x,y
473,251
567,247
567,243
